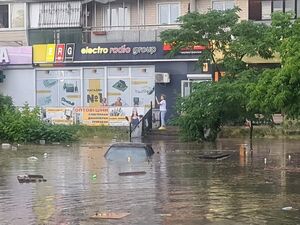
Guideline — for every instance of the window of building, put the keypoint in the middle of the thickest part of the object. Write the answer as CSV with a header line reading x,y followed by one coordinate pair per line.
x,y
168,13
223,5
270,6
12,15
3,16
278,6
55,14
266,10
290,6
116,16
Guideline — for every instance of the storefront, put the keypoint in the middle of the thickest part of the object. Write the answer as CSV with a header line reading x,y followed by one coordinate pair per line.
x,y
116,74
17,75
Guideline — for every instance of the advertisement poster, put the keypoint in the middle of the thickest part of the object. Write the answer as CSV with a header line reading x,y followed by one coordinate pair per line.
x,y
94,93
69,93
142,92
92,116
59,115
119,92
47,92
117,115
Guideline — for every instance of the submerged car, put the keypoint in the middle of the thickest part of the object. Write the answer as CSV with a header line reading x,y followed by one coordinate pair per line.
x,y
130,152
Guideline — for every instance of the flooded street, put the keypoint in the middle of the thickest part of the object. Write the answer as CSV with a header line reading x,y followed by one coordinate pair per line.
x,y
178,188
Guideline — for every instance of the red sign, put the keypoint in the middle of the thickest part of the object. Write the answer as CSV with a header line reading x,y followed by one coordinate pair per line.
x,y
168,47
60,53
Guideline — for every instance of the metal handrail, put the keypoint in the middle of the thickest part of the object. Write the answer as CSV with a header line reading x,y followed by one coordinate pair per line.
x,y
147,117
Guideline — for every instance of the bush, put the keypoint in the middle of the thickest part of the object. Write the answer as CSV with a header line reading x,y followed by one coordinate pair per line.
x,y
25,125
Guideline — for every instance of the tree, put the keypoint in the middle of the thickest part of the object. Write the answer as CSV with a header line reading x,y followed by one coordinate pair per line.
x,y
221,33
212,105
279,90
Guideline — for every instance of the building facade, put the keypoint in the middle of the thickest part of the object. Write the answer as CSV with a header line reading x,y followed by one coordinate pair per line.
x,y
90,50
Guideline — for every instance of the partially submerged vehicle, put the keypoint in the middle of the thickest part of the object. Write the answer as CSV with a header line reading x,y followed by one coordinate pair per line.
x,y
128,151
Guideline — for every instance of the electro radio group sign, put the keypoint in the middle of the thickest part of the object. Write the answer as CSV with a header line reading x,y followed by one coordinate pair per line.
x,y
70,52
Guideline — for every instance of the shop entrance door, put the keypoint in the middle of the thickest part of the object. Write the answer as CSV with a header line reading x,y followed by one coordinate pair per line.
x,y
187,85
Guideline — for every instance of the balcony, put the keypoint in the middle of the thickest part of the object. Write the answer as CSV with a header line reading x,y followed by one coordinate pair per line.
x,y
138,33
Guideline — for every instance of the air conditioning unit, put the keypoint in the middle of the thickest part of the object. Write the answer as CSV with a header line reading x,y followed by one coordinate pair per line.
x,y
162,78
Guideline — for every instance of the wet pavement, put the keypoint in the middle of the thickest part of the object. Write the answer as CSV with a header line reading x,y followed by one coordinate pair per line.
x,y
178,187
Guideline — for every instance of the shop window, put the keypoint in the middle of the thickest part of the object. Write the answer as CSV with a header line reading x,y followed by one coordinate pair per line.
x,y
58,88
168,13
223,5
94,87
12,15
116,16
142,86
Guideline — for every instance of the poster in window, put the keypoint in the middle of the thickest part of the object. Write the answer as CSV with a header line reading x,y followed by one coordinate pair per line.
x,y
119,92
47,92
142,91
69,93
93,93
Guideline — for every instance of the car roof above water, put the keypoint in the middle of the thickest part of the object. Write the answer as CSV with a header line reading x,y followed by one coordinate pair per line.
x,y
129,144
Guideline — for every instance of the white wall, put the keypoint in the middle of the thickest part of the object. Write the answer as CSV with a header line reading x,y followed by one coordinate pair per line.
x,y
20,85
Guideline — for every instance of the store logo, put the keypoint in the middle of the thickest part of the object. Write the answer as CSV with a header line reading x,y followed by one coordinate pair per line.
x,y
60,53
118,50
70,49
4,56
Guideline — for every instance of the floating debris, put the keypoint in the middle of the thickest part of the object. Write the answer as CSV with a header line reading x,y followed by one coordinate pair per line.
x,y
165,214
32,158
109,215
45,155
215,156
136,173
30,178
5,146
287,208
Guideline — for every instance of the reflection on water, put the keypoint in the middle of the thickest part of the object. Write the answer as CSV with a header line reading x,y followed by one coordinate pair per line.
x,y
178,188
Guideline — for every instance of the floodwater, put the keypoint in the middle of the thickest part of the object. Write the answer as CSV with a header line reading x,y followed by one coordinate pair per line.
x,y
178,187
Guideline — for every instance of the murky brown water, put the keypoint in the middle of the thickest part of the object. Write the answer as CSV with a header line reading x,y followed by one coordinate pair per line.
x,y
179,188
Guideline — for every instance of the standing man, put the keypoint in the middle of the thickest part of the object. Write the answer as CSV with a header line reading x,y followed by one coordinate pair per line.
x,y
163,110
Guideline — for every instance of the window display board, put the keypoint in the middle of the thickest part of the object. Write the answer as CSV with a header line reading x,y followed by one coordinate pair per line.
x,y
105,116
59,115
58,88
92,116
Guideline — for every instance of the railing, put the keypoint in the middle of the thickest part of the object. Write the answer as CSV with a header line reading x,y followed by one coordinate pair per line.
x,y
145,124
132,27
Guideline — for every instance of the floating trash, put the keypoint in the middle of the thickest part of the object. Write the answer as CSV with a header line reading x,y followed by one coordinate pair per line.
x,y
287,208
32,158
136,173
30,178
45,155
109,215
5,146
165,214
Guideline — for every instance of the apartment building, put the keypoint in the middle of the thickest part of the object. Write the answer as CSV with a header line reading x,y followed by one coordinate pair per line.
x,y
89,50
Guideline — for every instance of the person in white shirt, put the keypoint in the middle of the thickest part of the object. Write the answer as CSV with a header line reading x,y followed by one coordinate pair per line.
x,y
163,110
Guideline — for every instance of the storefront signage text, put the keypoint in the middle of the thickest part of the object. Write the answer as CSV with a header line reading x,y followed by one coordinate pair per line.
x,y
118,50
15,55
3,56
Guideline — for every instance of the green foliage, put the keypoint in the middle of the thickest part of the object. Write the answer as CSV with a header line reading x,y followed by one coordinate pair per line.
x,y
212,105
278,90
221,33
25,125
5,101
